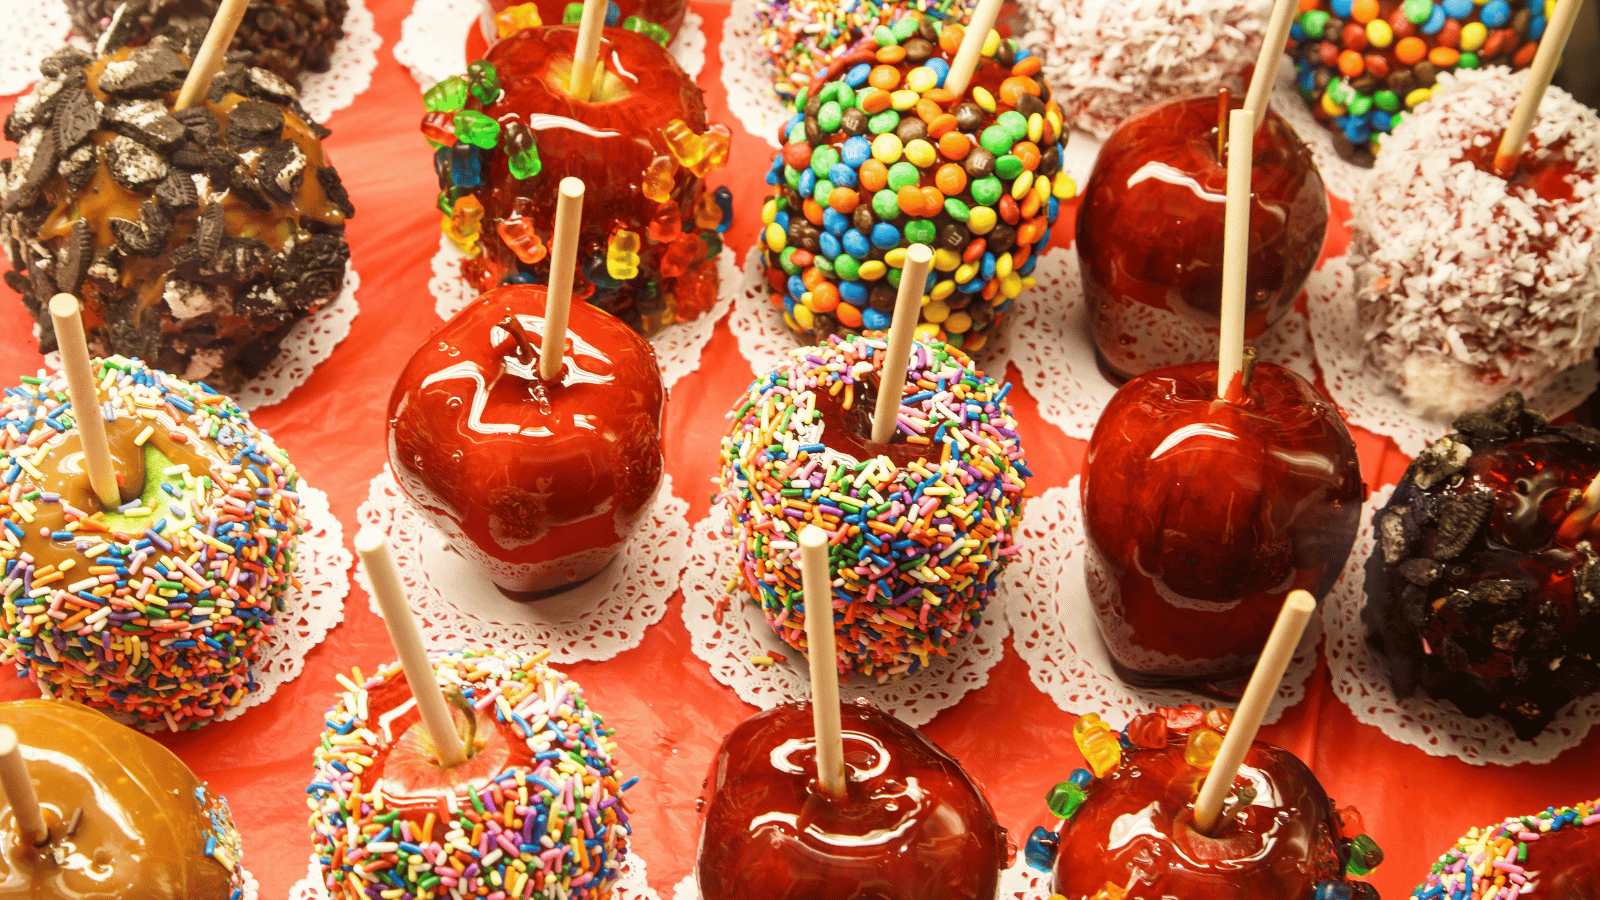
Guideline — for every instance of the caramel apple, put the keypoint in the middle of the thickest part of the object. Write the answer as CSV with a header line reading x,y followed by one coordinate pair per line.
x,y
507,132
126,817
1202,514
386,814
540,482
1149,236
912,824
1128,832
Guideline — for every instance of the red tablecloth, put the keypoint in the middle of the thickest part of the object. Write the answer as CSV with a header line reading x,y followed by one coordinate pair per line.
x,y
670,714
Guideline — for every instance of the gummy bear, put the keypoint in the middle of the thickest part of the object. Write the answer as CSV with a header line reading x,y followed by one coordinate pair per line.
x,y
1351,823
724,198
1087,723
462,226
1148,731
695,292
516,232
666,225
1365,855
718,142
649,29
1065,799
484,81
622,255
573,14
439,128
1202,747
1101,747
1041,849
1109,891
1182,718
466,166
658,180
477,129
526,164
513,19
448,95
1333,890
1218,718
682,253
696,152
707,214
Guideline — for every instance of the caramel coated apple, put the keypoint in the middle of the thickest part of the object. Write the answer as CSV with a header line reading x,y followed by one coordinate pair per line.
x,y
913,825
539,482
1149,235
1201,515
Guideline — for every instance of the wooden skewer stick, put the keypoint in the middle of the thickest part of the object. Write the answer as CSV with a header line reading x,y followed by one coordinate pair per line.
x,y
1281,644
1551,45
1235,254
586,58
817,577
1583,515
85,399
19,790
1271,56
907,312
558,296
966,61
208,61
373,547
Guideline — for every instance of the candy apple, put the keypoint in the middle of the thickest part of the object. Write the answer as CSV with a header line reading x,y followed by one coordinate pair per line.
x,y
913,824
1149,234
538,482
630,14
1202,514
409,765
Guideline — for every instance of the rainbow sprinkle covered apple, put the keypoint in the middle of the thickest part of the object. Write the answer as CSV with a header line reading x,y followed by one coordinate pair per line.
x,y
540,483
880,156
157,608
1553,854
126,817
911,826
800,39
536,811
506,134
924,524
1128,832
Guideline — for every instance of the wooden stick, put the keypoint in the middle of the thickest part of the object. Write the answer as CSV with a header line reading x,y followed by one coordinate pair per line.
x,y
907,312
373,547
1281,644
19,790
558,296
1235,252
1583,515
817,578
586,58
1551,45
1271,56
966,61
208,61
85,399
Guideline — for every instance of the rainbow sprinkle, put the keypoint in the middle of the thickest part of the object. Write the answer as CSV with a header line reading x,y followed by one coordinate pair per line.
x,y
159,610
916,549
222,842
801,38
556,830
1492,863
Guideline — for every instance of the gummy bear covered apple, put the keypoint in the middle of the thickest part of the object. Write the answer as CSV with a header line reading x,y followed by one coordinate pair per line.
x,y
658,20
507,132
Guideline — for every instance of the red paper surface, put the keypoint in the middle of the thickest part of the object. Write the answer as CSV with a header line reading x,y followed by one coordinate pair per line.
x,y
670,714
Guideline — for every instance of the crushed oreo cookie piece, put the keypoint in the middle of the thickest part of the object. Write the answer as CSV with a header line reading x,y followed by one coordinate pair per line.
x,y
177,192
313,271
63,60
31,169
333,189
1460,517
264,85
1506,419
147,72
33,109
1439,461
200,124
72,261
281,169
242,182
77,167
119,31
132,164
147,122
1420,572
254,123
77,117
1394,535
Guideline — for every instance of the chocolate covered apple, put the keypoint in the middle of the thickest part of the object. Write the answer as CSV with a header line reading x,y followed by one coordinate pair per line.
x,y
126,817
386,815
538,481
1202,514
912,824
507,132
1128,831
1149,234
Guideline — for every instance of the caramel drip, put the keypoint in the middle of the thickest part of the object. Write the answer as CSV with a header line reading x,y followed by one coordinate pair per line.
x,y
142,829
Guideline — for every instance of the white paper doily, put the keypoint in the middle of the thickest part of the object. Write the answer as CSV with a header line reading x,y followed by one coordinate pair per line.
x,y
433,40
1342,178
1368,401
678,346
1434,727
745,76
458,605
743,636
251,887
633,884
307,345
37,29
1016,883
322,568
1054,630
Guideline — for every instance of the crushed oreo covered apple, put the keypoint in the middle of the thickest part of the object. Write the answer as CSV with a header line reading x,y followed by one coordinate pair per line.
x,y
1484,587
195,238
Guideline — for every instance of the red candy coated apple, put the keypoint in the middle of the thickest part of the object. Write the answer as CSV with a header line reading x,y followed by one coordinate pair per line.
x,y
1201,516
540,483
1135,830
666,13
913,826
1150,235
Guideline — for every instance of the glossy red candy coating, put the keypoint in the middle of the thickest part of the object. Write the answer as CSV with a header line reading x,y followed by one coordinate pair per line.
x,y
666,13
1150,234
913,827
540,483
1134,830
1568,862
1201,515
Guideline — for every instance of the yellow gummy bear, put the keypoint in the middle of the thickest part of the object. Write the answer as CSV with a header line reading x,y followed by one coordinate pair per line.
x,y
1109,891
622,255
463,225
707,214
696,152
658,179
513,19
1202,748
